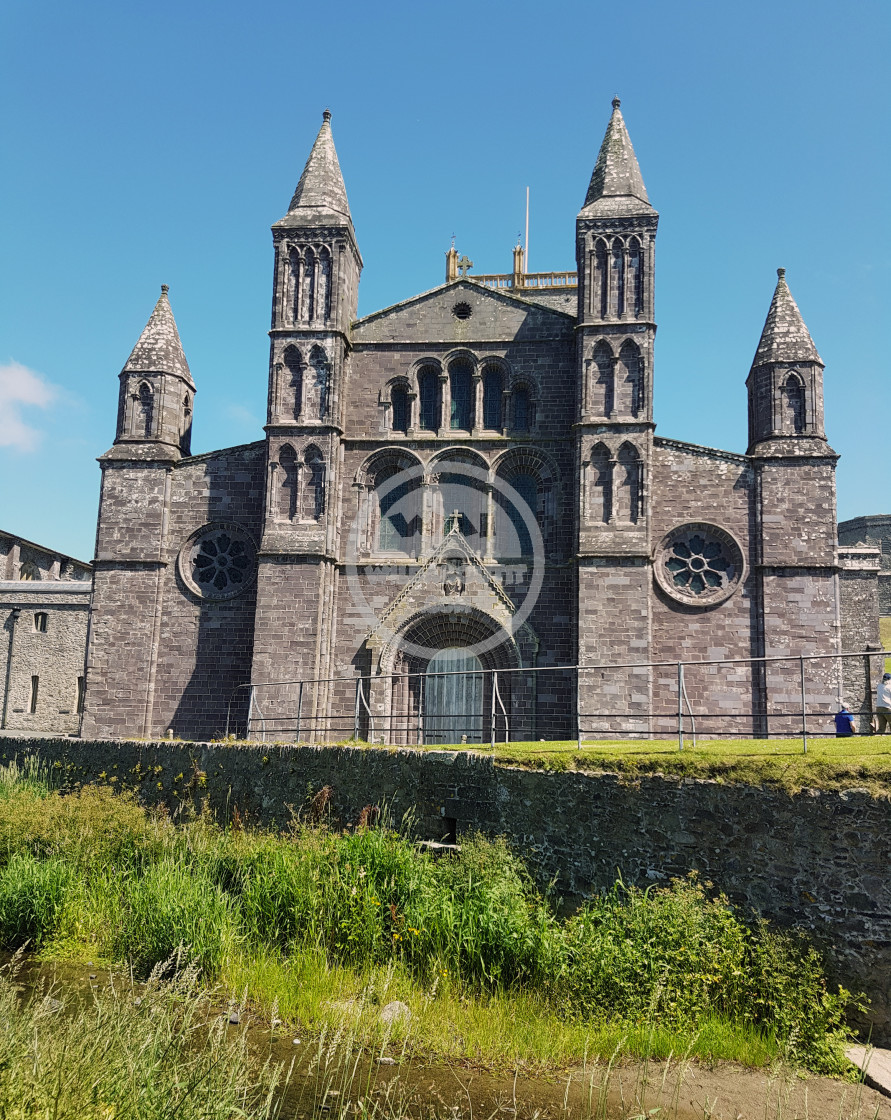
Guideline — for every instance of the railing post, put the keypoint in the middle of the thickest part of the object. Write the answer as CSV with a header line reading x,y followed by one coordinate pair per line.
x,y
492,716
356,708
299,711
680,705
250,712
578,707
803,706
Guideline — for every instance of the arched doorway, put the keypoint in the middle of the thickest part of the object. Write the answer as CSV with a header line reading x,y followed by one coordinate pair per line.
x,y
453,697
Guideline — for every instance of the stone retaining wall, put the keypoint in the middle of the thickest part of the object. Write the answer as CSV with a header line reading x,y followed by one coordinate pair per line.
x,y
816,860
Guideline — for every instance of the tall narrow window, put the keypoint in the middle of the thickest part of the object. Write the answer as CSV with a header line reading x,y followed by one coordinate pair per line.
x,y
604,380
522,409
287,483
40,619
185,440
29,570
145,410
617,278
635,277
314,484
629,484
461,385
294,366
631,380
80,695
308,295
399,409
32,699
324,296
793,402
493,388
601,484
293,278
428,384
601,284
321,369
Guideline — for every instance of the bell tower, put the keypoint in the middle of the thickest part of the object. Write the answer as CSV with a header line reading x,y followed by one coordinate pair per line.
x,y
314,300
615,244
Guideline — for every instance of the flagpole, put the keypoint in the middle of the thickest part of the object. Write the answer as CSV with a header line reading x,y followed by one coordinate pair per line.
x,y
526,242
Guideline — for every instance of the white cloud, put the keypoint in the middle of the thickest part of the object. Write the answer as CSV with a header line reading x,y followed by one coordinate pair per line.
x,y
21,388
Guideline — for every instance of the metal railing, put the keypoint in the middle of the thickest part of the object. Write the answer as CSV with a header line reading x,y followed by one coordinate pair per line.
x,y
527,280
792,696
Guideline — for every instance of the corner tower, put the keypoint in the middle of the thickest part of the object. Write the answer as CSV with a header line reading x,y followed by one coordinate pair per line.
x,y
615,247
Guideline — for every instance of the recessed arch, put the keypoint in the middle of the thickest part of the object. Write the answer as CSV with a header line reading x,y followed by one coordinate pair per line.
x,y
794,405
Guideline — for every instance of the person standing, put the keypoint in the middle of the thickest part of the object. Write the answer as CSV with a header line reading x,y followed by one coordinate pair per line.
x,y
883,704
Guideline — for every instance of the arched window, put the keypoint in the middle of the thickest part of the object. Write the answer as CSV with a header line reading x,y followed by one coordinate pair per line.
x,y
145,410
308,295
635,276
29,570
324,293
603,381
287,483
601,509
617,279
399,408
313,484
318,359
601,285
291,294
630,379
399,520
493,388
522,409
794,419
461,388
525,486
185,440
629,478
428,386
294,366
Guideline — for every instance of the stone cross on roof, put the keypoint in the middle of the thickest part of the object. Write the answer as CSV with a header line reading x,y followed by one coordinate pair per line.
x,y
464,263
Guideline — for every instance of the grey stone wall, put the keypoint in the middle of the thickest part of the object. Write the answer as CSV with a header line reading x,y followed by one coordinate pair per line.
x,y
874,531
815,860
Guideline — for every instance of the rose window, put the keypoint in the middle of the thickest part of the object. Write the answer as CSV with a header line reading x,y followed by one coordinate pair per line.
x,y
218,562
699,563
222,562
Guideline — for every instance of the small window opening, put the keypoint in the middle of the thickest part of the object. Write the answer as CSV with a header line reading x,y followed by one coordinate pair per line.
x,y
29,570
493,387
461,384
521,410
40,622
81,694
399,402
462,310
32,701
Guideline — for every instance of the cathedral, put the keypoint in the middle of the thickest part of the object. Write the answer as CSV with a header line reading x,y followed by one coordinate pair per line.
x,y
460,517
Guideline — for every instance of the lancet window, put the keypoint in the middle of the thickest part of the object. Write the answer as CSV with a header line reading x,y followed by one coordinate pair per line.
x,y
428,386
628,484
461,390
145,410
399,408
294,366
794,413
314,484
601,491
288,482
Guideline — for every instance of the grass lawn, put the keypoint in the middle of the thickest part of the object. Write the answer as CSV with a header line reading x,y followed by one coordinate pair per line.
x,y
860,762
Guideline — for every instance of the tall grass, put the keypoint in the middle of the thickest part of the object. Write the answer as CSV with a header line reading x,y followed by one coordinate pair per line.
x,y
91,873
151,1057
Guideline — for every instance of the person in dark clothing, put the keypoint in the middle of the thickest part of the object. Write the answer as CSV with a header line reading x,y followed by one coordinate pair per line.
x,y
844,724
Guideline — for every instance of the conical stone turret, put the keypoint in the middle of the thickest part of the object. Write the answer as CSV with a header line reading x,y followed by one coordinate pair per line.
x,y
157,391
616,186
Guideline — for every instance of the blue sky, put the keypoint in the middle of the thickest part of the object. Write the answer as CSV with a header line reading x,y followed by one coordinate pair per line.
x,y
149,143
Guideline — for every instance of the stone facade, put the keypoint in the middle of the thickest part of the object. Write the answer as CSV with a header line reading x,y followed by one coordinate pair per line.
x,y
468,480
816,860
873,531
44,605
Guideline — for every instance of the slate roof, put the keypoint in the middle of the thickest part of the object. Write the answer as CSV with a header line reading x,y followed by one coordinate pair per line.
x,y
159,349
617,186
321,192
785,338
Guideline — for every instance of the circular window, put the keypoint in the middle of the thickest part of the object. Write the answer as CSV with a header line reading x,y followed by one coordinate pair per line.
x,y
462,310
218,561
699,564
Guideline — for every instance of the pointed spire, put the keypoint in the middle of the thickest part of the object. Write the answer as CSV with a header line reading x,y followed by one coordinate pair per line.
x,y
159,349
785,338
321,186
617,186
